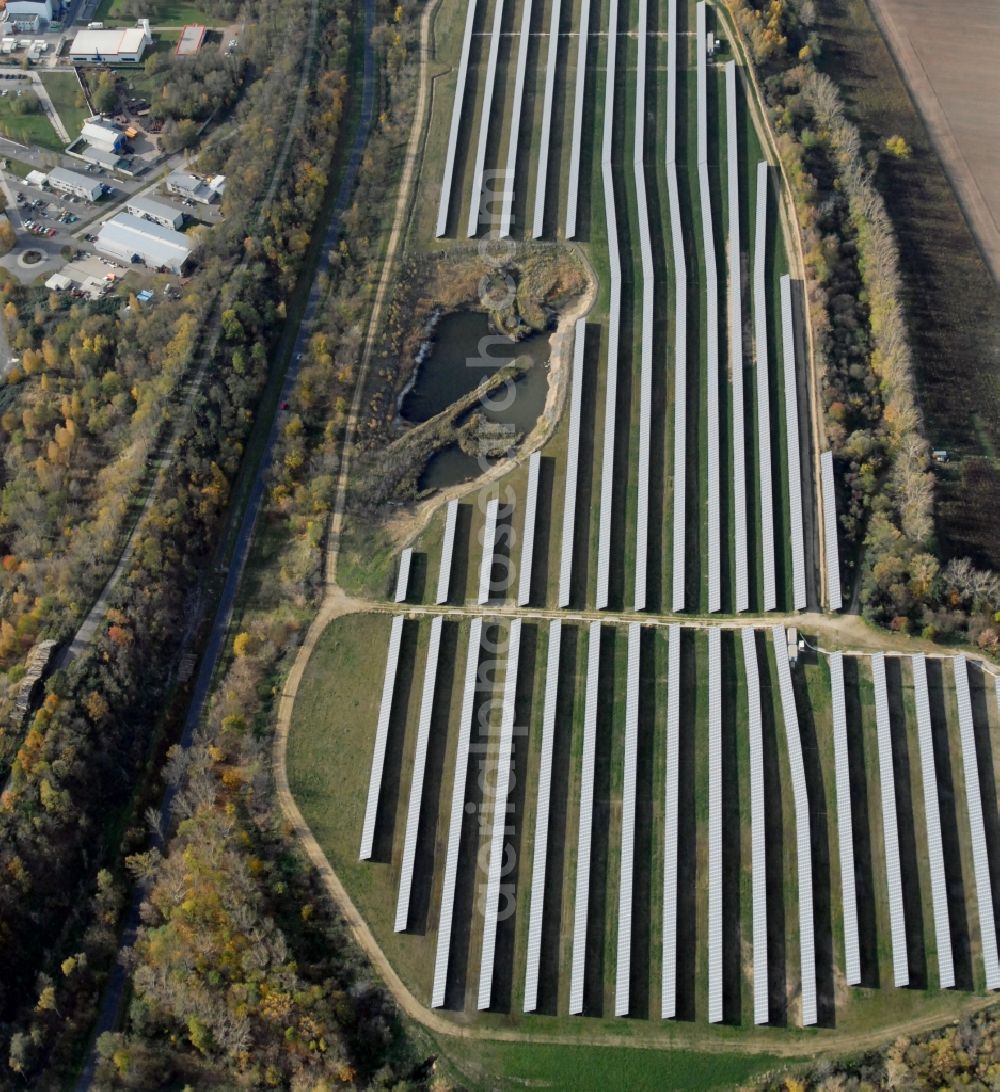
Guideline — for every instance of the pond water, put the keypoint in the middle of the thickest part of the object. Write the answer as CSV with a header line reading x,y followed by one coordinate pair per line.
x,y
463,354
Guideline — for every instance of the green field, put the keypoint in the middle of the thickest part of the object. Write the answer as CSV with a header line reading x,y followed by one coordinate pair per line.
x,y
67,98
27,128
173,13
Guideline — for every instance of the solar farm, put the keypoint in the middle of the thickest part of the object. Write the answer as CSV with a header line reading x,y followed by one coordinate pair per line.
x,y
586,764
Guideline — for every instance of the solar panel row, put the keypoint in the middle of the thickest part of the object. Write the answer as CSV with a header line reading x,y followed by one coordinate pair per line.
x,y
796,534
447,550
980,851
528,537
582,904
541,175
614,317
763,391
624,964
714,826
932,818
572,466
573,185
668,982
456,121
457,812
381,736
803,842
489,548
845,830
506,213
417,777
493,876
542,819
484,121
890,833
403,576
758,838
830,532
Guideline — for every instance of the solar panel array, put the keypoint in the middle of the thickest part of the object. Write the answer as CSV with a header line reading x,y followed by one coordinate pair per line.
x,y
763,391
736,342
447,550
758,836
542,819
680,321
484,121
573,185
381,736
572,466
541,175
711,326
796,534
403,576
624,965
582,904
494,873
614,318
528,537
646,341
830,531
506,214
932,817
457,812
800,795
845,830
489,548
714,826
980,851
417,777
668,981
890,834
456,121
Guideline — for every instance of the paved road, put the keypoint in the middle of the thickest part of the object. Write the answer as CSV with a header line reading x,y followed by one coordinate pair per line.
x,y
114,992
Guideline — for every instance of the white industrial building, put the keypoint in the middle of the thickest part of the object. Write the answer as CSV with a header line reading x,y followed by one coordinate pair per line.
x,y
157,211
184,184
123,44
79,185
26,16
127,238
102,134
100,158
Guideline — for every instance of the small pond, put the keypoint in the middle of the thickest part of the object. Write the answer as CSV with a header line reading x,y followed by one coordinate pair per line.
x,y
463,354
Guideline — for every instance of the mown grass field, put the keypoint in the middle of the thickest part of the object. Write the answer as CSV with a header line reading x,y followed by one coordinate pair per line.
x,y
67,98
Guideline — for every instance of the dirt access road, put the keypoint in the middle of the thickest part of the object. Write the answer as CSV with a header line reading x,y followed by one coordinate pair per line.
x,y
949,57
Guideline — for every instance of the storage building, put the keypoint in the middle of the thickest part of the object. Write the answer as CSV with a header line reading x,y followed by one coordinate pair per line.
x,y
102,134
157,211
129,238
189,186
125,44
79,185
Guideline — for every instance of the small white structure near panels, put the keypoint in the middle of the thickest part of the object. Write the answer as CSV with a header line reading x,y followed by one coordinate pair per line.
x,y
714,826
845,834
484,121
624,965
456,121
417,777
614,319
381,736
542,174
680,322
457,812
504,760
646,339
980,851
807,941
932,817
572,466
845,829
711,324
573,185
528,537
515,121
890,832
489,548
830,531
403,576
447,551
758,833
736,343
763,390
535,914
582,905
796,534
668,981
